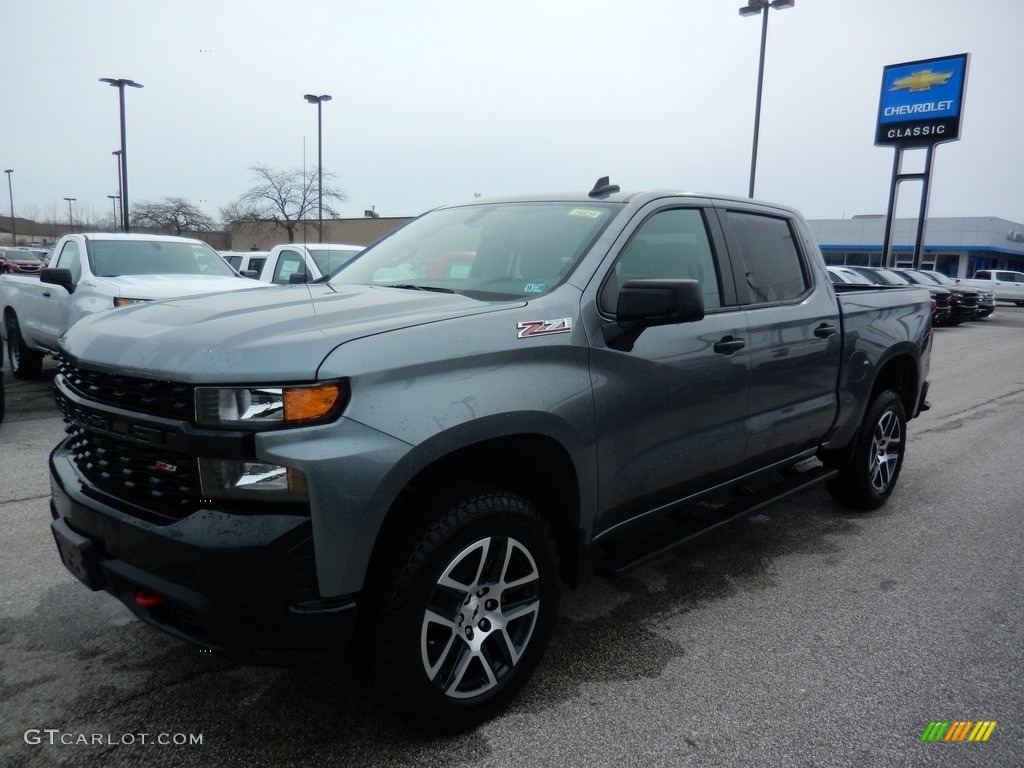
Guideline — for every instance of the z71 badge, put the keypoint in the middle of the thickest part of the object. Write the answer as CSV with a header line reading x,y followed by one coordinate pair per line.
x,y
530,328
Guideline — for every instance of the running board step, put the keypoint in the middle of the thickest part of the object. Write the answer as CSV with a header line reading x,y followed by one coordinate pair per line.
x,y
639,553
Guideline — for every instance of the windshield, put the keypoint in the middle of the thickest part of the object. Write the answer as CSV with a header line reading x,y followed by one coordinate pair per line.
x,y
330,260
940,278
112,258
916,277
489,251
851,277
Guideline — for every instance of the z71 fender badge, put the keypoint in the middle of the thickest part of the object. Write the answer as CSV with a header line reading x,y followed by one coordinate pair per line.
x,y
530,328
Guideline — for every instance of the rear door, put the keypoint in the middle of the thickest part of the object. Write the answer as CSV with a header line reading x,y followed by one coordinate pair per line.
x,y
794,332
672,402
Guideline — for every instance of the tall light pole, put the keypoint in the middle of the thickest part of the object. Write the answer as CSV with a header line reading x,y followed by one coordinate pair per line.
x,y
319,100
120,190
113,202
71,220
120,84
752,8
10,191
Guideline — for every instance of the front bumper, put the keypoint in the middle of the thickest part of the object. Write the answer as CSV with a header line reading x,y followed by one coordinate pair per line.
x,y
240,584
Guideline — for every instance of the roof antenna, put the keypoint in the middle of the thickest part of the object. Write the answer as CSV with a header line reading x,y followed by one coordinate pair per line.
x,y
602,188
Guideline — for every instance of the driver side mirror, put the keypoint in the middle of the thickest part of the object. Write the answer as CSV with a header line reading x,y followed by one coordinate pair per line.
x,y
58,276
643,303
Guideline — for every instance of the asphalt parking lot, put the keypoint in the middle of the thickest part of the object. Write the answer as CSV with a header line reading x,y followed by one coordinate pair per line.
x,y
803,636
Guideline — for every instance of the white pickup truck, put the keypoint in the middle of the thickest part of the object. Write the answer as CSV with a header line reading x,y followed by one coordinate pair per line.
x,y
1005,284
294,262
100,271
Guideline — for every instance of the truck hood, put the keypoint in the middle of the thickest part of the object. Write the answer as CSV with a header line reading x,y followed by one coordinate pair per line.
x,y
170,286
267,335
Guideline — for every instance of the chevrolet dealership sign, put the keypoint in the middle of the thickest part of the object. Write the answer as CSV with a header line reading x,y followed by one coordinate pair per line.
x,y
921,101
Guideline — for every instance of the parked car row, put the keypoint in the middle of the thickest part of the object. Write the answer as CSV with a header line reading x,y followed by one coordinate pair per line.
x,y
952,303
22,261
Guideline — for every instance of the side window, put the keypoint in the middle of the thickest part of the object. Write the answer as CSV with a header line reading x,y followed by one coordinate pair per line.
x,y
982,274
671,244
235,261
771,265
70,259
288,264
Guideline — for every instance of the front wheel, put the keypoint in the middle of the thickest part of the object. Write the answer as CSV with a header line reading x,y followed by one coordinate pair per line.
x,y
26,363
870,476
460,611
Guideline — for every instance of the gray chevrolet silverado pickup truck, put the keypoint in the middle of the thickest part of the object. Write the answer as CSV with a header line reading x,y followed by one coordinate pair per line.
x,y
407,460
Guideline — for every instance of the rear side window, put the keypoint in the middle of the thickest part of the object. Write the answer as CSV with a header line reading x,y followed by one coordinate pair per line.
x,y
769,262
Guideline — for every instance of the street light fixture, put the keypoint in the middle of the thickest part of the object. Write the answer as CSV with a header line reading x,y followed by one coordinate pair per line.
x,y
120,190
71,220
752,8
319,100
10,191
120,84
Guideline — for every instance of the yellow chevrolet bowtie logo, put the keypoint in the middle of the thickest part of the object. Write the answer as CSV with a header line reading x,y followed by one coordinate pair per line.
x,y
921,81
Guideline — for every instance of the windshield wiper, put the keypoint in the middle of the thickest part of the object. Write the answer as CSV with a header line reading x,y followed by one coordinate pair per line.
x,y
411,287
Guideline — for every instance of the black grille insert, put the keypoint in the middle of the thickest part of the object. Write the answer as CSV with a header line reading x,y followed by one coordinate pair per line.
x,y
163,482
158,398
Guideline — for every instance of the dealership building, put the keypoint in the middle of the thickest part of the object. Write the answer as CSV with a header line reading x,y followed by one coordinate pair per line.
x,y
955,246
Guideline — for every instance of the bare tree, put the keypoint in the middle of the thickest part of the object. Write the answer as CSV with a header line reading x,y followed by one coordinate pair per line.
x,y
173,214
283,197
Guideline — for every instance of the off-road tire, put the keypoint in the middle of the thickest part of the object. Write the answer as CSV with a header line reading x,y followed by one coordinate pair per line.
x,y
869,478
459,609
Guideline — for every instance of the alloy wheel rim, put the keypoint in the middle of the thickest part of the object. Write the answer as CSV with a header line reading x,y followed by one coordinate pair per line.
x,y
886,448
480,617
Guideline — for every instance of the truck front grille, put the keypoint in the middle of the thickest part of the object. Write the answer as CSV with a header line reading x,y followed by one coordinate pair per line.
x,y
160,481
158,398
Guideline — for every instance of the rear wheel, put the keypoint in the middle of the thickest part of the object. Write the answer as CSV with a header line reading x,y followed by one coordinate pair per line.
x,y
460,611
870,476
26,363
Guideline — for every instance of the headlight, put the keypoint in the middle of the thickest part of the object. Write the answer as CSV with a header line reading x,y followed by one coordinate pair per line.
x,y
124,301
263,407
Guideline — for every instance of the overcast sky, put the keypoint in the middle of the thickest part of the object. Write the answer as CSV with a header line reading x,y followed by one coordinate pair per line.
x,y
434,102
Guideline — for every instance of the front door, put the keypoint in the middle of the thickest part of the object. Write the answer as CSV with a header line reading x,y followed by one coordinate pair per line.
x,y
671,405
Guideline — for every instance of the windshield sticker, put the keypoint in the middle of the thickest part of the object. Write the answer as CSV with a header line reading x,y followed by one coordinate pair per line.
x,y
534,288
585,213
530,328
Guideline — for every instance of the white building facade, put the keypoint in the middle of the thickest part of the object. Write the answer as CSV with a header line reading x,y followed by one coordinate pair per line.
x,y
955,246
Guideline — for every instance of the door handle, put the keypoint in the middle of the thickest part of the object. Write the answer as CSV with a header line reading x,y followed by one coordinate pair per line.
x,y
729,344
825,330
46,294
